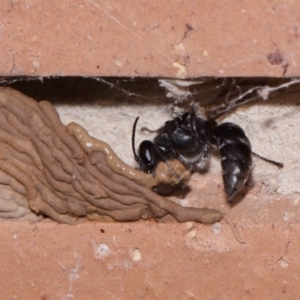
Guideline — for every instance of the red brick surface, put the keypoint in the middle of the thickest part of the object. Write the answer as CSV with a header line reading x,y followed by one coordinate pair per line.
x,y
150,38
148,261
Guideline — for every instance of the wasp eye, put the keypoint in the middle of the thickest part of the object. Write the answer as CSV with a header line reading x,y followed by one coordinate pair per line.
x,y
146,149
147,155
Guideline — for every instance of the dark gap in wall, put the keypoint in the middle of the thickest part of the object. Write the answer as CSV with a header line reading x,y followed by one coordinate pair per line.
x,y
86,90
205,92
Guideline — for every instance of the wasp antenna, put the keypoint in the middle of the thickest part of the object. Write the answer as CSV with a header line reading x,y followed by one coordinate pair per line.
x,y
276,163
149,130
136,157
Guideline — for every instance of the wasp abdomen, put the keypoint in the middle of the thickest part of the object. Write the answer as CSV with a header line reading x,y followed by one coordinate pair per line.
x,y
236,157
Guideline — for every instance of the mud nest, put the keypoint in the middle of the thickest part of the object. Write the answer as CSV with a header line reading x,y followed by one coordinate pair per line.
x,y
65,174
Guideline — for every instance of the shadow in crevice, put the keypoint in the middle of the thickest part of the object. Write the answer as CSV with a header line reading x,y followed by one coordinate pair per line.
x,y
138,91
84,90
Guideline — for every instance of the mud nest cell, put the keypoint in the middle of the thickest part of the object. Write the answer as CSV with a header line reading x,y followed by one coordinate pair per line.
x,y
67,175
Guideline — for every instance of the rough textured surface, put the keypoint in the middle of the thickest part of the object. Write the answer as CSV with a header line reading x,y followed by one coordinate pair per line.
x,y
253,253
66,181
150,261
14,205
149,38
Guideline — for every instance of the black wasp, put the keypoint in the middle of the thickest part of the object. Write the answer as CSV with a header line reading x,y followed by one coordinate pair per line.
x,y
191,139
